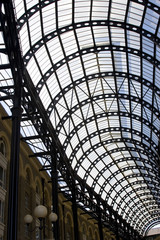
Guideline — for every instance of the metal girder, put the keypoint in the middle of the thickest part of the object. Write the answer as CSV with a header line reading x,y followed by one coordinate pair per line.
x,y
5,66
108,215
146,149
12,48
111,218
40,154
33,10
94,99
31,137
39,118
105,142
33,108
47,38
94,76
92,50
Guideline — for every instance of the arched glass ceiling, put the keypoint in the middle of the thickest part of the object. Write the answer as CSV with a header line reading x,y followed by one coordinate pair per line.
x,y
96,67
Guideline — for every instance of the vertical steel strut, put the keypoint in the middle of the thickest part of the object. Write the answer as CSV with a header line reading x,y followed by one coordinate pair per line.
x,y
8,27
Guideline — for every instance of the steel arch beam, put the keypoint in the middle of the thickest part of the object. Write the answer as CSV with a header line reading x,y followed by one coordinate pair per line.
x,y
102,75
148,194
54,34
133,216
103,97
92,50
110,141
33,10
107,167
104,115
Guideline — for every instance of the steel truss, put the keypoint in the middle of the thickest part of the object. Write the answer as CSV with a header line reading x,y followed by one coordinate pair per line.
x,y
77,190
36,113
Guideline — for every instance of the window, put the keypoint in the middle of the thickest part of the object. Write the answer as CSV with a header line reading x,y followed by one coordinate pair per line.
x,y
90,234
2,177
28,176
37,189
84,233
46,198
96,236
68,229
27,202
37,194
68,236
2,147
1,211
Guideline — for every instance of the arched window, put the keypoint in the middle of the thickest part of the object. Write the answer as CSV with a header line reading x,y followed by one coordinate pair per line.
x,y
28,176
2,177
2,147
37,189
3,164
38,193
96,236
84,234
46,198
1,211
90,234
27,201
68,228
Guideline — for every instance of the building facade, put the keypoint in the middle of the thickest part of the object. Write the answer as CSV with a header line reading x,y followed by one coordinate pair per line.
x,y
35,189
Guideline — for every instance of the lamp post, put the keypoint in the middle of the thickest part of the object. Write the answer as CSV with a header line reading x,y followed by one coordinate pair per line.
x,y
40,212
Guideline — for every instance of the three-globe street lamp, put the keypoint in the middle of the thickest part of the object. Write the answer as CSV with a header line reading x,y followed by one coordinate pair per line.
x,y
40,212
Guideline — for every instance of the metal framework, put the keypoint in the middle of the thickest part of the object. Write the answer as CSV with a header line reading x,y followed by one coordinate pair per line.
x,y
90,75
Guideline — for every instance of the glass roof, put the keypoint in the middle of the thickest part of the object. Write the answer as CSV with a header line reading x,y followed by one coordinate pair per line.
x,y
95,65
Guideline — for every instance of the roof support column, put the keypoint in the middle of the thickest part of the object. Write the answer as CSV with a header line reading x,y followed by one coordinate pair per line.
x,y
74,210
12,46
54,179
100,222
43,202
117,234
14,171
127,235
100,227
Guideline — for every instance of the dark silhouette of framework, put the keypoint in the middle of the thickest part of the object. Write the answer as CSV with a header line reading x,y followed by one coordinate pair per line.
x,y
122,93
